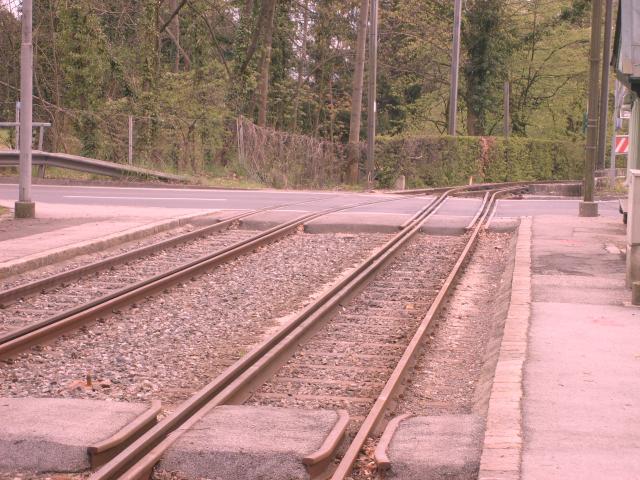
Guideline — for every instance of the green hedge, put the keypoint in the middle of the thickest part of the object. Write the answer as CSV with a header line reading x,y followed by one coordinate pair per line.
x,y
446,160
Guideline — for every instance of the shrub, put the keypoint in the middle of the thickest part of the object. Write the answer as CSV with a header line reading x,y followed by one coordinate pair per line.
x,y
446,160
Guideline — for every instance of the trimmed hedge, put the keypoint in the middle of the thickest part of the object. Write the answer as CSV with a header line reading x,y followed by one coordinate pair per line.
x,y
446,160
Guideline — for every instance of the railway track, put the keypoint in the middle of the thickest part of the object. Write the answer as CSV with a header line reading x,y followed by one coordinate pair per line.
x,y
244,381
97,289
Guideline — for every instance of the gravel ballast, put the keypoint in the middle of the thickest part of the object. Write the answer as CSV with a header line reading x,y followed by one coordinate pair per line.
x,y
169,346
86,259
74,293
347,362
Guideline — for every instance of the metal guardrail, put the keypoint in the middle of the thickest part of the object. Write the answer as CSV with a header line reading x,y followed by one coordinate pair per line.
x,y
10,158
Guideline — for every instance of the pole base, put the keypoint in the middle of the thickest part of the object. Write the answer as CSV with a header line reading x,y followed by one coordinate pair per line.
x,y
25,210
588,209
635,293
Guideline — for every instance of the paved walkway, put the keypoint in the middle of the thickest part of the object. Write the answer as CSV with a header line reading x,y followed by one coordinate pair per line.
x,y
64,230
581,404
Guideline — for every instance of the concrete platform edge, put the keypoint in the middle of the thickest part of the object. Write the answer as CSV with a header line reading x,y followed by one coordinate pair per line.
x,y
503,441
48,257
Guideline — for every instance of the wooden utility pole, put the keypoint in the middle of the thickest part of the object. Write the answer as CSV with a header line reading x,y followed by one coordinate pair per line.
x,y
455,66
589,208
604,84
353,148
372,108
24,207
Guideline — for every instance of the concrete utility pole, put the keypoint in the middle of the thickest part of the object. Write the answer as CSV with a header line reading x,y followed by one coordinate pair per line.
x,y
589,208
455,65
24,207
604,84
372,107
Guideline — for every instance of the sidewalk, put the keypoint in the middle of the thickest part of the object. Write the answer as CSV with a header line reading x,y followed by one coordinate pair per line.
x,y
581,406
62,231
565,402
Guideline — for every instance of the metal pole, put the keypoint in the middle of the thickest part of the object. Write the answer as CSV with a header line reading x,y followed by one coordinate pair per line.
x,y
617,95
588,208
604,84
130,156
24,207
506,125
455,65
372,107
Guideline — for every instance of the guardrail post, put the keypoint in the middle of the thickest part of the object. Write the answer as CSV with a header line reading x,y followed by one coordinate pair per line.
x,y
633,228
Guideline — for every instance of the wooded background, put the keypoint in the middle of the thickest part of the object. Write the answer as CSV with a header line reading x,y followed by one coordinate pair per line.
x,y
292,66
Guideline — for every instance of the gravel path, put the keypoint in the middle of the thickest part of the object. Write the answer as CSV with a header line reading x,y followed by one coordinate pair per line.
x,y
169,346
104,282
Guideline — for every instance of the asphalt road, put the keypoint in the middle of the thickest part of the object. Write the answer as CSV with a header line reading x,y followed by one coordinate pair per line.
x,y
292,200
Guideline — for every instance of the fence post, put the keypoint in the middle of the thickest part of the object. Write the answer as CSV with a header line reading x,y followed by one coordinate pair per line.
x,y
130,156
17,126
41,167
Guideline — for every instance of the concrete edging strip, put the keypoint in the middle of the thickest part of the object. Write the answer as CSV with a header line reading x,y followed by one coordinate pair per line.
x,y
503,440
54,255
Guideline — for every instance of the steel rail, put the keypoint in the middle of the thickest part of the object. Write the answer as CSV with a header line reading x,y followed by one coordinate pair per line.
x,y
139,458
394,383
18,340
12,294
37,286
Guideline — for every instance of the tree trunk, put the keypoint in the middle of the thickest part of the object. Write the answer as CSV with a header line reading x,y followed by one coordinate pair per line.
x,y
472,124
174,33
353,149
301,64
263,86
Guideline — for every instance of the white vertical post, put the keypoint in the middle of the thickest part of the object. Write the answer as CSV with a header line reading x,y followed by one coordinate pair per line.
x,y
634,144
24,207
130,140
633,228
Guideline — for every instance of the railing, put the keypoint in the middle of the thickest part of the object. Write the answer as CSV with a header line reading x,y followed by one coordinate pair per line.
x,y
40,125
10,158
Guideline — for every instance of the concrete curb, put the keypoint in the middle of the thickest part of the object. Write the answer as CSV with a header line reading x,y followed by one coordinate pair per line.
x,y
54,255
502,447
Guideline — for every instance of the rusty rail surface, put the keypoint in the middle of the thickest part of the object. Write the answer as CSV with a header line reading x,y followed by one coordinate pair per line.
x,y
37,286
12,294
18,340
235,383
395,381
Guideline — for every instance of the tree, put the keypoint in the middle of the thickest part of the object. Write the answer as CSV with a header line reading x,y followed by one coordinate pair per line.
x,y
356,95
265,63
